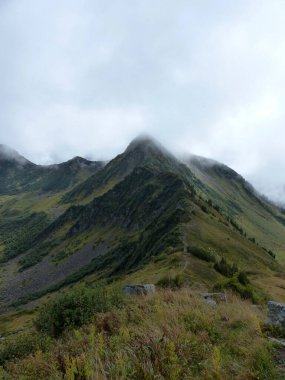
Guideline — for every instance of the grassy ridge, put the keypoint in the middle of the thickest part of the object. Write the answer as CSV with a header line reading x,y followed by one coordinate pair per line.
x,y
145,206
171,335
259,219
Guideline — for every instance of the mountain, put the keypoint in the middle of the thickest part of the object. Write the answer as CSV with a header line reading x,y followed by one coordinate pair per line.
x,y
11,157
18,175
141,152
143,215
261,219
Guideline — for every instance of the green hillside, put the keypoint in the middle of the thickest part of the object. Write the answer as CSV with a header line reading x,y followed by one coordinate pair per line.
x,y
144,217
142,214
260,219
19,175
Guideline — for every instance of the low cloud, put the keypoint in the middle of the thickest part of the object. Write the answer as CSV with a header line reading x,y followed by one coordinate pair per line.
x,y
84,78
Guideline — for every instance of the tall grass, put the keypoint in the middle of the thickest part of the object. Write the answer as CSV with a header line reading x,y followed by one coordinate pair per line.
x,y
170,335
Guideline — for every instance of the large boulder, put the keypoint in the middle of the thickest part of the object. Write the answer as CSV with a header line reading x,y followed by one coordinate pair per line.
x,y
138,290
276,313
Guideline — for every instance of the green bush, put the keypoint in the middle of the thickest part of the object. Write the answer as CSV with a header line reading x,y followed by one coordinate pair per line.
x,y
272,254
74,308
225,268
175,282
264,366
245,291
204,209
202,254
242,278
23,344
274,331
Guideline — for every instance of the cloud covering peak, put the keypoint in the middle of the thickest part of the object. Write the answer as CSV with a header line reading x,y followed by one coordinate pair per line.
x,y
84,78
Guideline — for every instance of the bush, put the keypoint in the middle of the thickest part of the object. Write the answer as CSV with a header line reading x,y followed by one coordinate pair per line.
x,y
169,336
75,308
202,254
264,366
272,254
274,331
204,209
23,344
245,291
225,268
242,278
176,282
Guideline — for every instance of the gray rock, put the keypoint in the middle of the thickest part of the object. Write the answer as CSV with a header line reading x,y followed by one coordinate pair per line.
x,y
138,290
210,302
280,342
213,298
276,314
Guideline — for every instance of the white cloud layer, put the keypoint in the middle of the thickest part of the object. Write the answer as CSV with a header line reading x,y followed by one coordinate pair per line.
x,y
202,76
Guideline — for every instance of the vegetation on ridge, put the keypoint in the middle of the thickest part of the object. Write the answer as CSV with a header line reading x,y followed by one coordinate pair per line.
x,y
170,335
145,217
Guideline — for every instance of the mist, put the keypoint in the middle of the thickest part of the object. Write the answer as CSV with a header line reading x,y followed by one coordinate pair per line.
x,y
85,78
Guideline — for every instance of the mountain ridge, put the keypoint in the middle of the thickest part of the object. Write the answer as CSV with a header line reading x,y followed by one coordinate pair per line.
x,y
144,206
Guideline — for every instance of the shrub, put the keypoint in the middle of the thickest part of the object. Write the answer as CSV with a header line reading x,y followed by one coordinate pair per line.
x,y
225,268
168,336
242,278
236,226
272,254
202,254
23,344
204,209
274,331
245,291
75,308
171,282
264,366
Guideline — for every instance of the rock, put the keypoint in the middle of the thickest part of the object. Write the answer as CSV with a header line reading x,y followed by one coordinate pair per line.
x,y
213,298
276,313
210,302
138,290
280,342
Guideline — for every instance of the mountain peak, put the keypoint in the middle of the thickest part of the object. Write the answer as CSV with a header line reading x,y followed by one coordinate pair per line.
x,y
145,145
10,155
143,142
79,162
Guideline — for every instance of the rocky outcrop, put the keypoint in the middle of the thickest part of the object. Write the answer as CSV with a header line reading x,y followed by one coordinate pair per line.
x,y
276,314
213,298
138,290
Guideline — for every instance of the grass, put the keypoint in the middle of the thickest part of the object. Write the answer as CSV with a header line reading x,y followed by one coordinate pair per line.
x,y
260,221
13,322
170,335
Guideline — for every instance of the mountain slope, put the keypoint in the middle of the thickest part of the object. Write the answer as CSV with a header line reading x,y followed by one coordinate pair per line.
x,y
141,152
30,195
260,219
143,215
19,175
137,218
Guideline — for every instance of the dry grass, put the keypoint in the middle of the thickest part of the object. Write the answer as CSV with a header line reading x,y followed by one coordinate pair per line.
x,y
171,335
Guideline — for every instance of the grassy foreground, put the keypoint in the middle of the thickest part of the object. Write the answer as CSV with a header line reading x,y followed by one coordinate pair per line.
x,y
170,335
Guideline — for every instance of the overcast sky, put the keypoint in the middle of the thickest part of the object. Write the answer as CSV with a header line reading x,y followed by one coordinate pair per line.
x,y
84,77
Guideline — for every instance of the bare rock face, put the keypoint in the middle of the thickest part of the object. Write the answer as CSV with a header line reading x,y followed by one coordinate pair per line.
x,y
139,290
213,298
276,313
